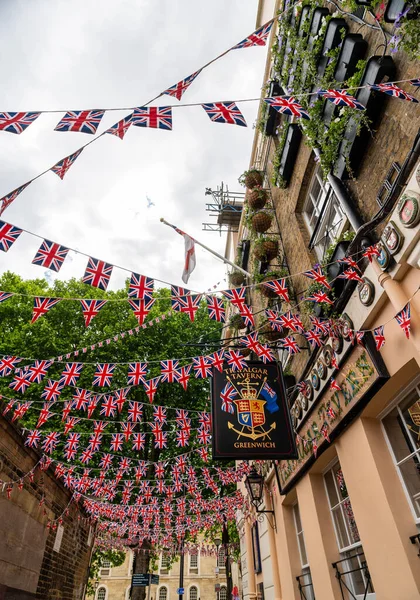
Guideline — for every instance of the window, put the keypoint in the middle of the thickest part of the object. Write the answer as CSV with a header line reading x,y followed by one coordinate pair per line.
x,y
101,594
193,593
304,579
221,558
163,593
348,539
322,213
164,563
402,427
105,568
223,593
194,563
256,548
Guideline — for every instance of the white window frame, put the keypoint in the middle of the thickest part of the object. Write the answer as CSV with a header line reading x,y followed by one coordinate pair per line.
x,y
158,592
193,585
309,592
218,564
415,385
105,566
191,569
224,587
317,205
356,546
167,569
101,587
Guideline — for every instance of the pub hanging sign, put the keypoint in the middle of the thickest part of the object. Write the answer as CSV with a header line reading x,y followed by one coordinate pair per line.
x,y
251,418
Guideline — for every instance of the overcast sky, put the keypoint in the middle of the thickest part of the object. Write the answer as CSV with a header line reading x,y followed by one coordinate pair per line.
x,y
97,54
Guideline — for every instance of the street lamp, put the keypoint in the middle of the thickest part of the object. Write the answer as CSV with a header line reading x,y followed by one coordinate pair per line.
x,y
217,542
254,484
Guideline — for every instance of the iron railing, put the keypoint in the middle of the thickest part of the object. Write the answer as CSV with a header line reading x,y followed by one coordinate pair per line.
x,y
354,576
306,588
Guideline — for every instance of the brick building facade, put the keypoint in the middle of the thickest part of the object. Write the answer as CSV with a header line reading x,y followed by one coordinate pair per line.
x,y
37,560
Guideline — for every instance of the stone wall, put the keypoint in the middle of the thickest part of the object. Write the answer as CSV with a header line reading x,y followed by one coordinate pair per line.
x,y
33,564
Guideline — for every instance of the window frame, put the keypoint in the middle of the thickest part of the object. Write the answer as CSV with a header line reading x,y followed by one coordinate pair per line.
x,y
221,553
223,587
195,586
194,569
101,587
414,385
164,587
162,569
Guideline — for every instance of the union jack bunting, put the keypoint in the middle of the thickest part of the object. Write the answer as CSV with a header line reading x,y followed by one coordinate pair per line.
x,y
351,275
334,385
251,342
109,407
91,308
393,90
50,255
321,326
121,127
158,117
314,446
38,370
287,105
42,306
141,287
291,321
98,273
236,296
324,431
320,297
20,383
264,352
71,374
8,364
273,319
141,308
279,287
16,122
4,296
202,367
257,38
190,304
7,200
52,390
64,165
225,112
313,338
83,121
216,309
177,296
50,441
8,235
331,412
371,252
136,373
80,399
217,359
341,98
378,334
348,260
103,374
227,395
183,376
150,387
290,344
33,438
159,414
235,360
169,370
179,89
135,412
318,276
415,82
403,319
246,314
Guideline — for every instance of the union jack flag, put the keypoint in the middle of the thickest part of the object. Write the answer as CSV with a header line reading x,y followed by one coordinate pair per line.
x,y
7,365
136,373
279,287
393,90
190,304
273,318
71,373
80,399
227,395
251,342
287,105
291,321
313,338
141,308
264,352
371,252
50,442
5,295
121,127
403,319
183,376
20,383
257,38
117,440
103,374
98,273
16,122
290,344
318,276
135,412
182,438
177,296
139,441
42,306
33,438
217,359
91,308
52,390
341,98
225,112
415,82
159,414
7,200
203,435
50,255
246,314
179,89
216,309
141,287
8,235
321,326
158,117
84,121
331,412
378,334
235,360
109,407
350,274
161,439
150,387
320,297
169,370
202,367
182,418
349,261
236,296
334,385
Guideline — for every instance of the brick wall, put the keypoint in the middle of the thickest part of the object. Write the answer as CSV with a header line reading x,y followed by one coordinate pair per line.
x,y
29,565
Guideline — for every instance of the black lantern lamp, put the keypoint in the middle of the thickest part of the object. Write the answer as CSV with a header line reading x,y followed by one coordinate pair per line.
x,y
254,484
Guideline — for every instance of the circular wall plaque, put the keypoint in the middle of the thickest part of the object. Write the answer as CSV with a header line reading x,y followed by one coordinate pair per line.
x,y
346,327
315,379
327,355
337,344
321,369
408,209
303,402
309,390
366,292
384,256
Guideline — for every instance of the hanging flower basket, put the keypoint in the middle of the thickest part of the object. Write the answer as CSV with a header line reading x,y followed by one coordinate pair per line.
x,y
257,198
244,351
269,335
236,322
236,278
261,221
265,249
251,178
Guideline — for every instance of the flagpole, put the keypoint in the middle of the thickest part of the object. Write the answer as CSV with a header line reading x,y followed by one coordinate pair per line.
x,y
225,260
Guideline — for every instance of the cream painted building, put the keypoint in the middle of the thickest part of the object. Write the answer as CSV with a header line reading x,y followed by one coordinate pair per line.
x,y
201,574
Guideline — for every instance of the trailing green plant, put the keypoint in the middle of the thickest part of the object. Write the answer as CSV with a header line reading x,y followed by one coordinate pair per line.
x,y
308,306
347,236
251,178
276,178
236,322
